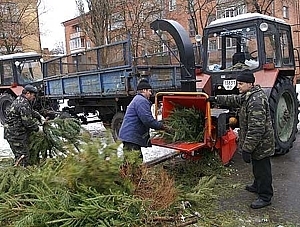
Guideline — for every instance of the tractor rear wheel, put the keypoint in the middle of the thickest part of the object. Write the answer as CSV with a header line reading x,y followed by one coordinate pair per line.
x,y
116,124
5,102
284,112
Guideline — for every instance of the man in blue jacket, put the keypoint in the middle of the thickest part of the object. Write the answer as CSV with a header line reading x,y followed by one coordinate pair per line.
x,y
138,119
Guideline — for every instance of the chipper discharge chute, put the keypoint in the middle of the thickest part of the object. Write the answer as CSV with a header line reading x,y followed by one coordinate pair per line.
x,y
213,136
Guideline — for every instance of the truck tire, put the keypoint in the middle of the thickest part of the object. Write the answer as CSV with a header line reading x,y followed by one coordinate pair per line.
x,y
116,125
5,102
284,112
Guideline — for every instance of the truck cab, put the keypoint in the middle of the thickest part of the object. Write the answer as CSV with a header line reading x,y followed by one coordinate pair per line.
x,y
17,70
20,68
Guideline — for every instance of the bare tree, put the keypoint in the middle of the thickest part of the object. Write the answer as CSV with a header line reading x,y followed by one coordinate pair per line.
x,y
95,19
265,6
58,49
106,21
140,14
201,12
19,29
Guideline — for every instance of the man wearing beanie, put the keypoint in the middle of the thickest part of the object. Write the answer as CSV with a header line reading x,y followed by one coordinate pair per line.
x,y
21,123
138,119
256,135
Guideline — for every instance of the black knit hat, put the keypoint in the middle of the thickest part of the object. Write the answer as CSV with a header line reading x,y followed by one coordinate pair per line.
x,y
143,84
30,88
246,77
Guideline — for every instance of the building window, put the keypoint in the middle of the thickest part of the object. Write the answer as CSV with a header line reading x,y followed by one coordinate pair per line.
x,y
212,45
230,42
143,33
117,20
77,43
88,44
9,12
172,5
231,11
141,15
285,11
76,28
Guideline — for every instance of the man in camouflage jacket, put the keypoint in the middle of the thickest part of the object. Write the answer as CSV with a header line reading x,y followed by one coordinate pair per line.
x,y
256,134
20,123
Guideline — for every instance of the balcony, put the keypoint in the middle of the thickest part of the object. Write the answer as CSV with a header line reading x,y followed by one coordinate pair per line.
x,y
77,49
77,35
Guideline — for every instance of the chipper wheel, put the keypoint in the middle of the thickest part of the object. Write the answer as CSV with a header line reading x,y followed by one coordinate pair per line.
x,y
5,102
284,112
116,124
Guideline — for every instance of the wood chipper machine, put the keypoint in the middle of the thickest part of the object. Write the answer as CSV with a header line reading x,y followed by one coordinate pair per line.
x,y
225,145
218,135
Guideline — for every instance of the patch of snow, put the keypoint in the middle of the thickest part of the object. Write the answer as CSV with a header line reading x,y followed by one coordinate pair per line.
x,y
5,151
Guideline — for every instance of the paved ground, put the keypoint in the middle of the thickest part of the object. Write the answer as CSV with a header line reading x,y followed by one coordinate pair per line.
x,y
285,206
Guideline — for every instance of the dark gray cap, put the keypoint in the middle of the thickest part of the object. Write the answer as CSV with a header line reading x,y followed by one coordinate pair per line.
x,y
246,77
30,88
143,84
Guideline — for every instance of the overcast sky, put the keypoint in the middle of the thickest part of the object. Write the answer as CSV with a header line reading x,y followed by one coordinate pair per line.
x,y
52,14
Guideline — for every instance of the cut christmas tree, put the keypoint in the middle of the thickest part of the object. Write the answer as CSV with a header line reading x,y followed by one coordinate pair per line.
x,y
184,125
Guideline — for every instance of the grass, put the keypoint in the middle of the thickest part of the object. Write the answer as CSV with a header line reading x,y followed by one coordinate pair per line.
x,y
224,202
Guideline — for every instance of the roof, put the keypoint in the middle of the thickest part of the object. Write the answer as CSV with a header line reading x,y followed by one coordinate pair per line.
x,y
19,55
244,17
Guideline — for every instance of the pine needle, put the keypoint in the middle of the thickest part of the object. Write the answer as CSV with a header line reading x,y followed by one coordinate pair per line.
x,y
185,124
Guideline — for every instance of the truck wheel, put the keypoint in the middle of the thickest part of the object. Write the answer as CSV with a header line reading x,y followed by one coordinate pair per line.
x,y
284,112
116,124
5,102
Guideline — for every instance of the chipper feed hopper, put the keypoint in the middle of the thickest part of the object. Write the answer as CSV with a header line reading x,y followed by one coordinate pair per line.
x,y
225,145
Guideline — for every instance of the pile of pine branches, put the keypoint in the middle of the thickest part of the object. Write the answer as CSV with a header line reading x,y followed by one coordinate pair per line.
x,y
84,189
184,125
59,137
89,184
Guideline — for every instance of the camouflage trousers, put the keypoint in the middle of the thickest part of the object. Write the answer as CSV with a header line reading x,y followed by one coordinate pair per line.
x,y
20,151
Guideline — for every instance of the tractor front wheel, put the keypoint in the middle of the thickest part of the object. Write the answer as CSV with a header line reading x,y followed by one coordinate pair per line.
x,y
284,112
5,102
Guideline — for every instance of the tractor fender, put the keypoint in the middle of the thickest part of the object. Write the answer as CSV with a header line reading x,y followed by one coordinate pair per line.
x,y
266,79
16,91
204,83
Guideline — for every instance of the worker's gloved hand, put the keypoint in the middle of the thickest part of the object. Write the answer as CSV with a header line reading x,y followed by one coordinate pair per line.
x,y
43,120
212,99
246,156
167,128
41,129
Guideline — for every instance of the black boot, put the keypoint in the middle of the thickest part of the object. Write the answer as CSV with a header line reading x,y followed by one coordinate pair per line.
x,y
259,203
251,188
21,160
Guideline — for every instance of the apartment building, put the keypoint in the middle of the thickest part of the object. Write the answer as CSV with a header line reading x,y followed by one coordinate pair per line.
x,y
76,39
19,26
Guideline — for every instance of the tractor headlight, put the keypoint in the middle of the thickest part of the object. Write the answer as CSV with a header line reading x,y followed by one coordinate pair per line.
x,y
264,27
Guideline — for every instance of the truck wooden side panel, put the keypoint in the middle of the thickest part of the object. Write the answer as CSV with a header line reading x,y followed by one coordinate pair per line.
x,y
108,71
